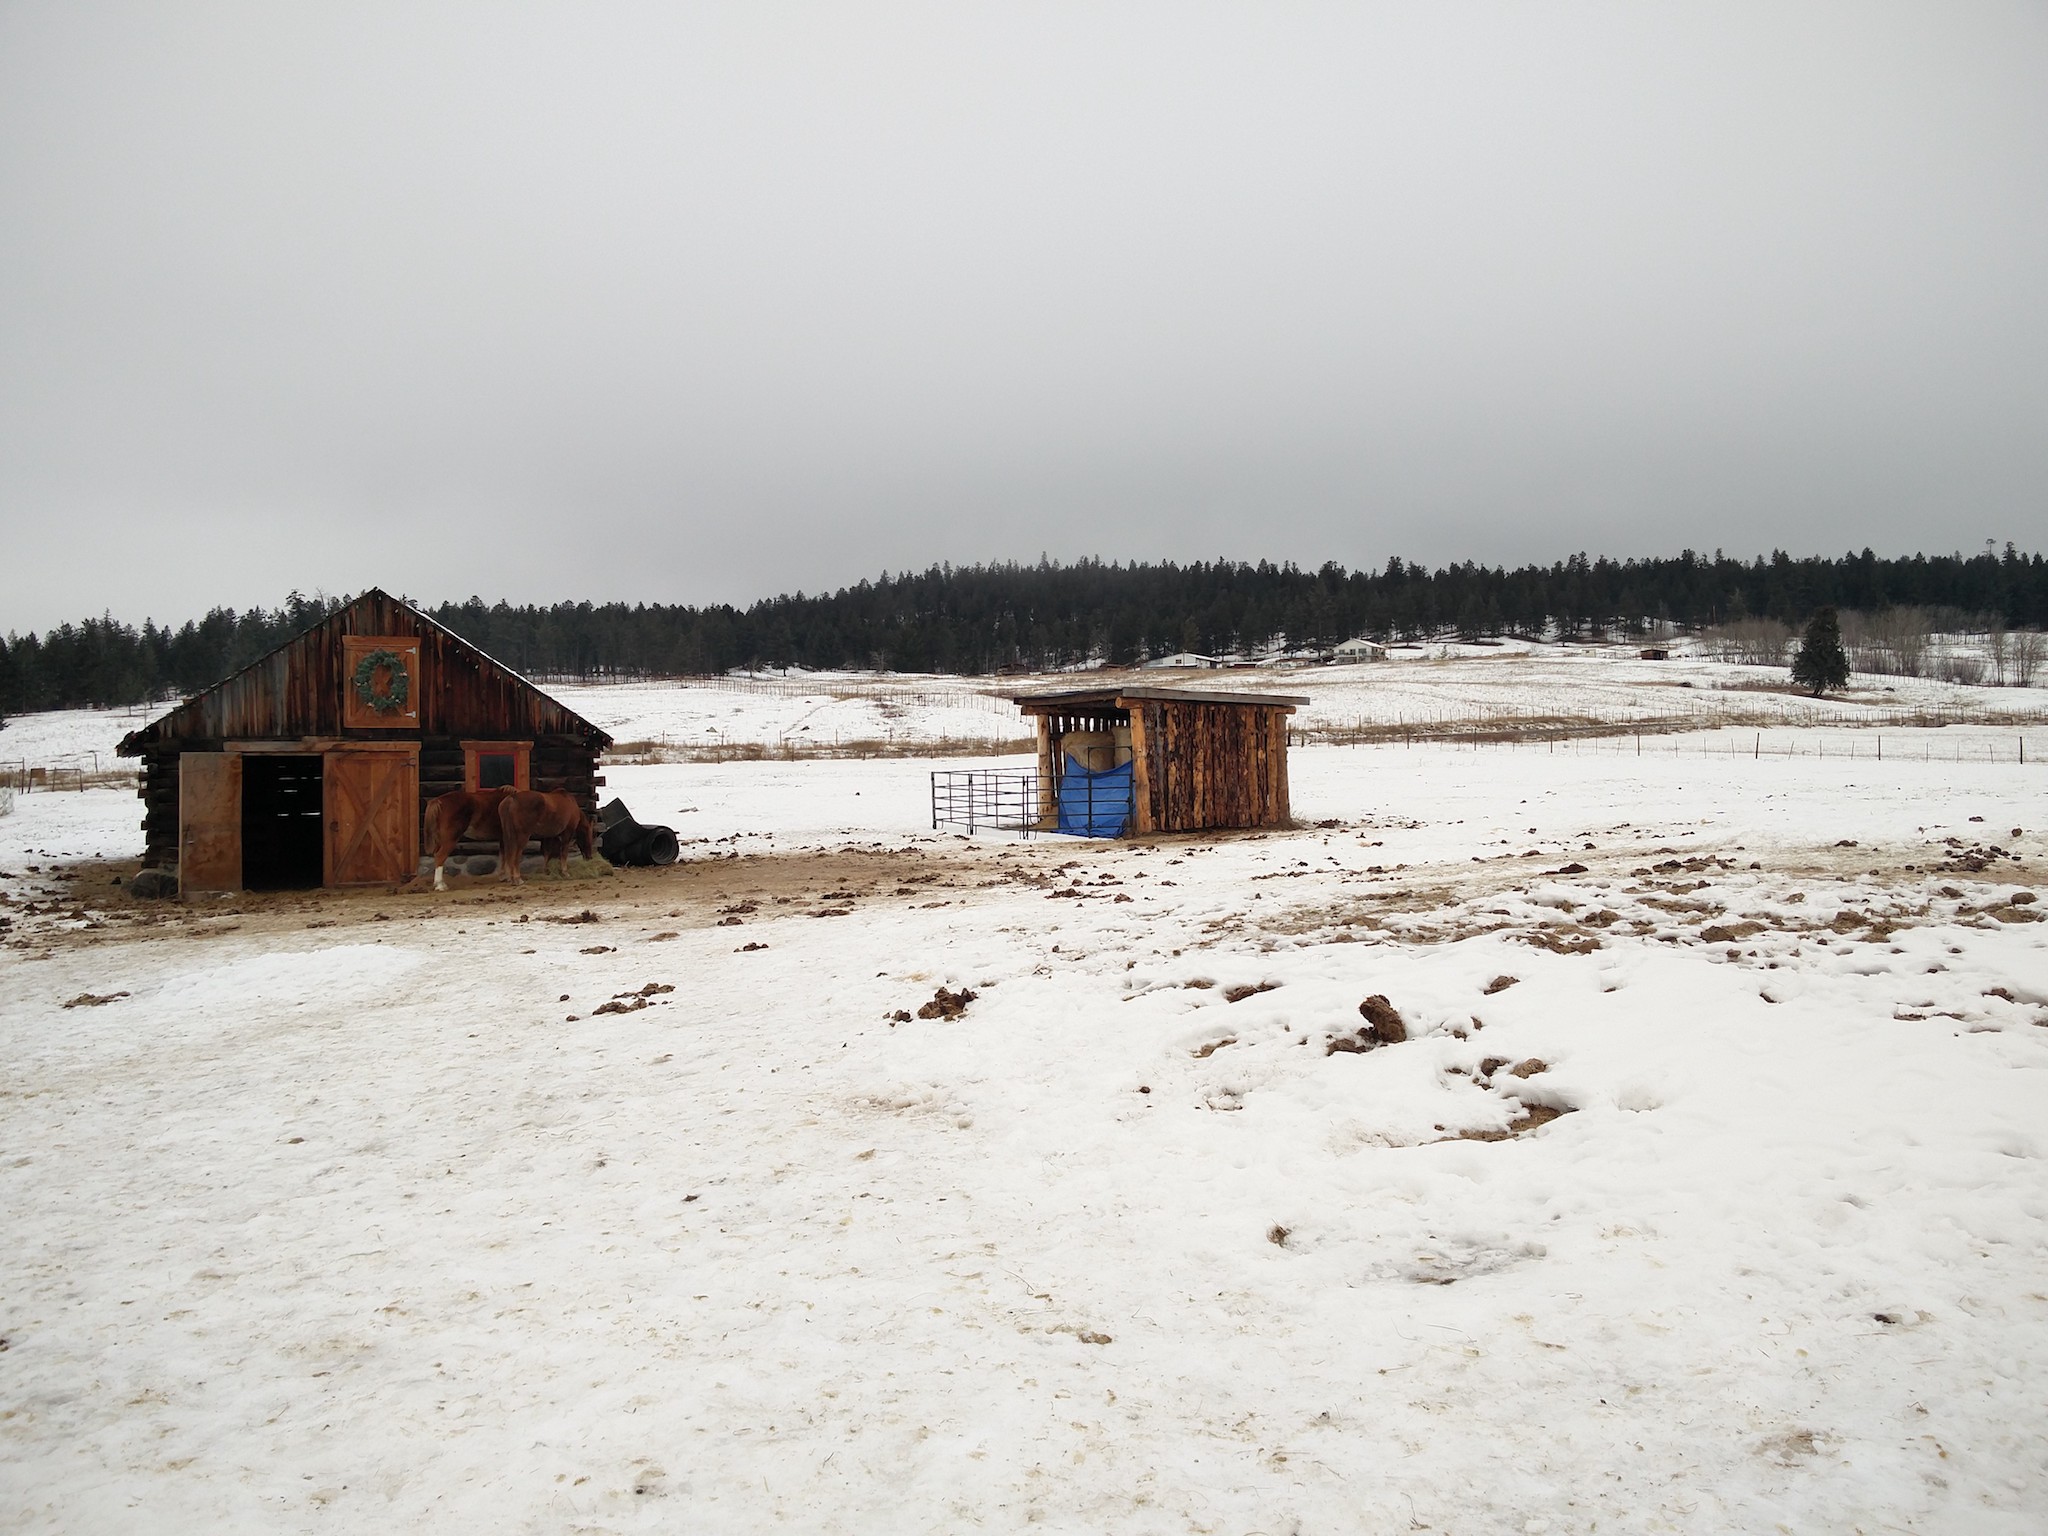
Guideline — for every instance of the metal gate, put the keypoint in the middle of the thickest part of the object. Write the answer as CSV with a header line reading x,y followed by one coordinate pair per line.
x,y
987,799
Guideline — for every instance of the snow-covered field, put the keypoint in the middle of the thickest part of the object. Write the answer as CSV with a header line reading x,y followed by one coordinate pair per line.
x,y
353,1213
1426,690
1444,689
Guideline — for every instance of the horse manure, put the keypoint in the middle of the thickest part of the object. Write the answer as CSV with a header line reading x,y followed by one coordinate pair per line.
x,y
1385,1020
947,1005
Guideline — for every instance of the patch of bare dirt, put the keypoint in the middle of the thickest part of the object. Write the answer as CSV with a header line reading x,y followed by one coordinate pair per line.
x,y
1560,942
1532,1118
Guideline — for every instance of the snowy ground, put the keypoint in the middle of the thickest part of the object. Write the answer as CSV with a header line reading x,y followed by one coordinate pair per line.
x,y
353,1214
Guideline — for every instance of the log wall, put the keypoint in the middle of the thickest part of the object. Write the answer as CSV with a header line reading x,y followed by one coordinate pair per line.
x,y
1212,765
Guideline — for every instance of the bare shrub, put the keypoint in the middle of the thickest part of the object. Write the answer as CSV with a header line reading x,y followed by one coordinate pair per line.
x,y
1750,642
1893,641
2025,651
1960,667
1856,641
1943,619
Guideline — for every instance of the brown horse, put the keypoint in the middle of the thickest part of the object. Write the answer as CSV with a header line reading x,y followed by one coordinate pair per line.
x,y
556,819
459,814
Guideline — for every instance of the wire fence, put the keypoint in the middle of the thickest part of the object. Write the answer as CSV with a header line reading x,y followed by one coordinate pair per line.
x,y
1466,720
798,748
917,694
1845,746
85,771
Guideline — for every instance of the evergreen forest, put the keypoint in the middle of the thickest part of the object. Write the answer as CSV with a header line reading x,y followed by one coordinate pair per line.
x,y
1018,617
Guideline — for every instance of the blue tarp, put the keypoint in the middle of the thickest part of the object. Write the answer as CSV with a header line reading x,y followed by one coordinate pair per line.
x,y
1095,804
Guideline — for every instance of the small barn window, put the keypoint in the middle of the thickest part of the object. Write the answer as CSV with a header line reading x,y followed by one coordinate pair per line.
x,y
496,764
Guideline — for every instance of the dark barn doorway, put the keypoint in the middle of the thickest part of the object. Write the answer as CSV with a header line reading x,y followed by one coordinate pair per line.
x,y
282,819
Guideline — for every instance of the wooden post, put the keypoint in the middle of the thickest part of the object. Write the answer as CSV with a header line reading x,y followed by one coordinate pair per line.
x,y
1142,819
1280,767
1048,805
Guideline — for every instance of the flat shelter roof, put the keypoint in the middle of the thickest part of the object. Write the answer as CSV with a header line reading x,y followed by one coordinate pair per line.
x,y
1035,703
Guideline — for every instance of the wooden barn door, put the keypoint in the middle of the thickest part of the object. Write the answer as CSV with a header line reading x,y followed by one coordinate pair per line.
x,y
209,822
373,816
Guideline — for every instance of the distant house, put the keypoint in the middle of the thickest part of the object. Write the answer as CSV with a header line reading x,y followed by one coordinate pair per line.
x,y
1360,649
1182,660
1654,653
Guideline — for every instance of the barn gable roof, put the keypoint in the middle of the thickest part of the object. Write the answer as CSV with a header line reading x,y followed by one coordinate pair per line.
x,y
295,690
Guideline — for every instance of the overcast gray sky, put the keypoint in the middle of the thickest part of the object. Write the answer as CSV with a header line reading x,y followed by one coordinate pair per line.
x,y
706,302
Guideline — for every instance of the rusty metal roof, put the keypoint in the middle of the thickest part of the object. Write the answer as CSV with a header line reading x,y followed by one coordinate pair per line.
x,y
296,690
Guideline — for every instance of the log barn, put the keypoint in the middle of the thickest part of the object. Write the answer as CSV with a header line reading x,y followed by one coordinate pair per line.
x,y
310,766
1197,759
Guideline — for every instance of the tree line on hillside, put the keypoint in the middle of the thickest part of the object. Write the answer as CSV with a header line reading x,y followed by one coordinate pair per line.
x,y
992,618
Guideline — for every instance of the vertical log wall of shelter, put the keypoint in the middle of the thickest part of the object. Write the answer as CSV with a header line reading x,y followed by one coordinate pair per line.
x,y
1213,765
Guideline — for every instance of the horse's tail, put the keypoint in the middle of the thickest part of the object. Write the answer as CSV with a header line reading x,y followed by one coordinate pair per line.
x,y
586,836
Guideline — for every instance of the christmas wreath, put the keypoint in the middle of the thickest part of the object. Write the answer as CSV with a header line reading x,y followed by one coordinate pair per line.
x,y
388,703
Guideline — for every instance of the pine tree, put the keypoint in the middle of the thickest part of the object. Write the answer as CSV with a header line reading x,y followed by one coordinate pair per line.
x,y
1820,664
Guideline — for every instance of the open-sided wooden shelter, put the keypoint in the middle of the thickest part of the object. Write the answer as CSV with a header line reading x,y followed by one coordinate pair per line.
x,y
1198,758
310,766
